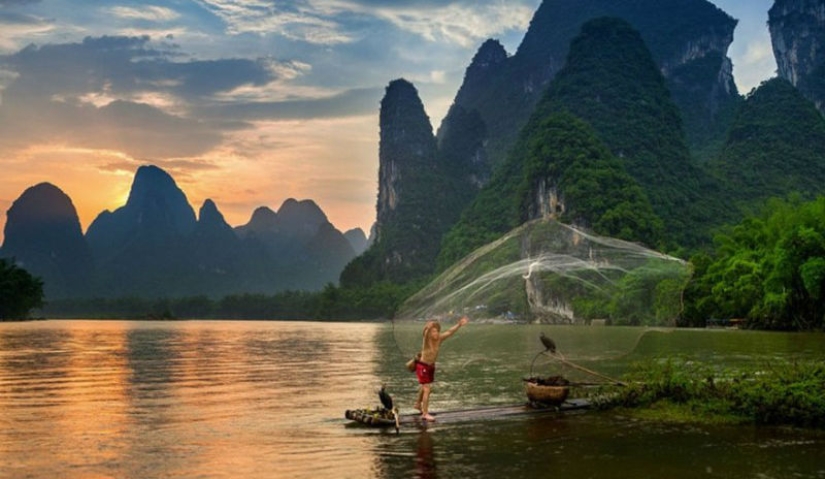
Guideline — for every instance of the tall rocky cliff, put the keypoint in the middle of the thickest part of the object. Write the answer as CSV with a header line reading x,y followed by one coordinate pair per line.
x,y
406,151
798,36
413,193
43,236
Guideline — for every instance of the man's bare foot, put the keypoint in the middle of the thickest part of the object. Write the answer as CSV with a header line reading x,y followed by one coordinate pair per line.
x,y
428,417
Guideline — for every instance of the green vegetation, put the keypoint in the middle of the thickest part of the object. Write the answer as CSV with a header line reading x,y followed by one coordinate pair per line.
x,y
779,394
20,292
630,175
666,28
776,145
768,269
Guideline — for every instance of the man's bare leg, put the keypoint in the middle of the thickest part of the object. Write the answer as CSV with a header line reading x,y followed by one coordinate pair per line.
x,y
425,403
417,404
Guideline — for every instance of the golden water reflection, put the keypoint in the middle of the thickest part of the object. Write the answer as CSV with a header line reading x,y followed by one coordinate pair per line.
x,y
219,399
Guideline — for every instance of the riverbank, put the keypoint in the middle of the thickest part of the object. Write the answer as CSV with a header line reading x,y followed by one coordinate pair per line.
x,y
777,393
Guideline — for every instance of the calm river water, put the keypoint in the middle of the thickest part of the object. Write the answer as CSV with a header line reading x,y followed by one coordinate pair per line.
x,y
213,399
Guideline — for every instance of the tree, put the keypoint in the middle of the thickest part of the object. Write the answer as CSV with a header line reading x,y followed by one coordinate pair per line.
x,y
770,269
20,292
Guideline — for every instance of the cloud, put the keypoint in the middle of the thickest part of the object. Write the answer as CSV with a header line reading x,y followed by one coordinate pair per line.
x,y
354,102
129,93
292,20
755,65
459,23
332,22
16,26
136,129
147,12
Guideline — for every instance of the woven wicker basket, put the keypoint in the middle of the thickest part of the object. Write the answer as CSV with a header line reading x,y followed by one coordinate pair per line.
x,y
552,395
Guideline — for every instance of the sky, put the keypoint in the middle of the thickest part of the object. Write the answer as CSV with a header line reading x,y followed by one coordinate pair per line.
x,y
245,102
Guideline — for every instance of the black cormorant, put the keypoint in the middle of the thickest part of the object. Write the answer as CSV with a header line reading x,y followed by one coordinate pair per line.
x,y
386,399
548,343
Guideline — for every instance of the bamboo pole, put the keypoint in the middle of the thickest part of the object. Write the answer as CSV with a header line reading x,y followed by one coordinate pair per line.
x,y
559,357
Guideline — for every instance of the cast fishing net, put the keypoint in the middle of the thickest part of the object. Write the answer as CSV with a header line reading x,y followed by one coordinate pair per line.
x,y
546,272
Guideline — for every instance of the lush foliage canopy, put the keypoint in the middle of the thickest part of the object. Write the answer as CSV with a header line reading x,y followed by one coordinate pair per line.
x,y
768,269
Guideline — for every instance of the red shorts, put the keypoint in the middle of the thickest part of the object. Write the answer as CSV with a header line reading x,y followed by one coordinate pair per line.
x,y
425,372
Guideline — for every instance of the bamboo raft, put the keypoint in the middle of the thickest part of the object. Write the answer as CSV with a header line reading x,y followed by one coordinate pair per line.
x,y
359,416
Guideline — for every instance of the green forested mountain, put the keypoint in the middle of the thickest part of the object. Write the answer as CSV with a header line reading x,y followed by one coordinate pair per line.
x,y
559,168
611,81
688,40
629,176
776,145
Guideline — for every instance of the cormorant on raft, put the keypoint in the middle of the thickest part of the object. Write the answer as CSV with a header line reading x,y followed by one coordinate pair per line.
x,y
386,399
384,415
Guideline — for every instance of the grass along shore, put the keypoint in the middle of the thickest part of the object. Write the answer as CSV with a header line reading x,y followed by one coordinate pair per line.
x,y
778,393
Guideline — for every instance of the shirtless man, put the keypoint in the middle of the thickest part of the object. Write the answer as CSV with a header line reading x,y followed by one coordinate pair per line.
x,y
425,365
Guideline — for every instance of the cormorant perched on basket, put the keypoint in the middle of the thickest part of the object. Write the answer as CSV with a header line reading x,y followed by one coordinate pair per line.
x,y
386,399
548,343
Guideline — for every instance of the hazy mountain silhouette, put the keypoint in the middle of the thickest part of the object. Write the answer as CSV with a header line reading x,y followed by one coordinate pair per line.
x,y
154,246
43,235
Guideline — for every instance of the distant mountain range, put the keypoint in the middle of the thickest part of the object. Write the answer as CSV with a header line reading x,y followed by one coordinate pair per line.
x,y
155,246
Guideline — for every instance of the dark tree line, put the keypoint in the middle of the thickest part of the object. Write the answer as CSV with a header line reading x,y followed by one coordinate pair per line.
x,y
332,303
20,292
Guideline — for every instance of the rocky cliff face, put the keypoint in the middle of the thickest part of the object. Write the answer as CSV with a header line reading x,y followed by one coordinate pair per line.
x,y
487,64
43,236
407,148
798,36
413,193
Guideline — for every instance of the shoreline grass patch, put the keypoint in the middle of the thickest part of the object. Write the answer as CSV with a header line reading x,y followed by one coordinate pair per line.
x,y
786,393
